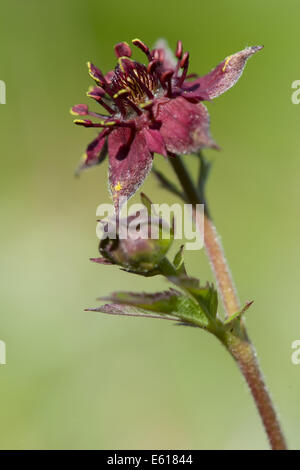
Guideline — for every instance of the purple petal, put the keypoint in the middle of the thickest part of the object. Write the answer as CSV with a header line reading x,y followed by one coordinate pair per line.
x,y
224,76
109,75
130,161
185,126
155,141
95,152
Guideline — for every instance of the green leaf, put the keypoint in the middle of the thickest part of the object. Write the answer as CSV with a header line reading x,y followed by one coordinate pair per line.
x,y
206,296
163,302
127,310
171,302
179,262
238,314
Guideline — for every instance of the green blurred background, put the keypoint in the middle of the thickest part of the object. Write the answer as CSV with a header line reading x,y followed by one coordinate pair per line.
x,y
84,380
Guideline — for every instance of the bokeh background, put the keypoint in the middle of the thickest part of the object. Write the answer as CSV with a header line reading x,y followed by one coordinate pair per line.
x,y
82,380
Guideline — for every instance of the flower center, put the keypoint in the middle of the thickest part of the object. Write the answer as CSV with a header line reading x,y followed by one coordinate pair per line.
x,y
132,81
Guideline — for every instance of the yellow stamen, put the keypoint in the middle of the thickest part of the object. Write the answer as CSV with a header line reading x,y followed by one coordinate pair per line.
x,y
120,62
79,121
107,123
90,90
120,92
147,103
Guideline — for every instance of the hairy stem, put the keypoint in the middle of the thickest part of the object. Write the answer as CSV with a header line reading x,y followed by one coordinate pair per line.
x,y
244,353
220,268
236,341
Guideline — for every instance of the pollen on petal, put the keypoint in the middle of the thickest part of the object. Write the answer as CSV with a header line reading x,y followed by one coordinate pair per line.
x,y
118,186
224,75
226,63
129,163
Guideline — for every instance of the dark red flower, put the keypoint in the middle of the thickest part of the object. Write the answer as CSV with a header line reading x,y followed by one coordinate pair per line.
x,y
153,108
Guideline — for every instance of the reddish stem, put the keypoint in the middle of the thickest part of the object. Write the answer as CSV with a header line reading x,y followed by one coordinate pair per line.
x,y
237,341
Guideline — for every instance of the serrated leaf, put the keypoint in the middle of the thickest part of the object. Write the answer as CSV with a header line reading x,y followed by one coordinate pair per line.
x,y
169,302
127,310
206,296
163,302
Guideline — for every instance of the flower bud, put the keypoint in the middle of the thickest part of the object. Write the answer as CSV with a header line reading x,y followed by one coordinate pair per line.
x,y
146,244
